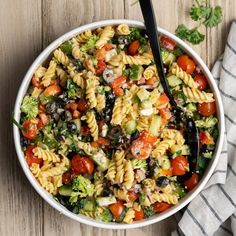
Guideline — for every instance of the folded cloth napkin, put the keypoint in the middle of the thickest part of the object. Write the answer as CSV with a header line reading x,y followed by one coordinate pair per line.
x,y
213,211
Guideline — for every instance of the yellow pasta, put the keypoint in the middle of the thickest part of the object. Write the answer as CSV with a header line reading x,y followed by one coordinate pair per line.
x,y
164,197
121,194
98,187
89,214
62,75
49,74
128,174
123,29
36,92
117,112
111,172
46,155
77,77
162,147
40,72
129,216
143,123
92,124
101,102
83,37
119,160
149,184
91,84
87,148
35,169
106,34
197,96
173,134
187,78
61,57
150,72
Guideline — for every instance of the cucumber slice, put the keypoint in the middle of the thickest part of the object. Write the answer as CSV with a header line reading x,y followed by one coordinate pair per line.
x,y
143,94
180,150
155,125
65,190
168,57
174,80
180,191
105,201
130,126
166,165
146,104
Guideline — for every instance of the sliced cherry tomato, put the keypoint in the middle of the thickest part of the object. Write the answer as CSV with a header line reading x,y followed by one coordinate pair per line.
x,y
94,144
201,80
43,117
30,127
76,114
67,177
118,91
179,165
118,82
71,106
82,105
160,206
151,81
35,82
167,43
206,138
140,149
133,196
103,141
207,108
117,209
101,67
163,99
89,165
165,113
85,130
192,182
40,124
133,47
108,46
138,215
167,172
30,157
101,53
186,64
101,123
145,136
52,90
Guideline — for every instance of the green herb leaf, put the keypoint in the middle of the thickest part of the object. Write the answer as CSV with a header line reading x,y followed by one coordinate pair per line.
x,y
214,17
191,35
66,47
198,13
30,107
89,44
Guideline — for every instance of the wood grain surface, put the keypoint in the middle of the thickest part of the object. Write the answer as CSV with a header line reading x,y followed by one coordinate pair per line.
x,y
28,26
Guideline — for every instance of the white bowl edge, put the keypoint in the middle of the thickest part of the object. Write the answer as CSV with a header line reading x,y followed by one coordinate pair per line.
x,y
48,197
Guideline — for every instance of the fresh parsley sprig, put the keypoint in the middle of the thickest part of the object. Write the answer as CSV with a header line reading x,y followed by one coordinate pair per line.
x,y
204,14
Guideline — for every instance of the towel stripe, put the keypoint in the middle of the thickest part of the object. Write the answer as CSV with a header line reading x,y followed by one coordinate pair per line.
x,y
226,230
231,48
231,169
231,121
227,196
195,221
228,72
227,95
232,144
210,207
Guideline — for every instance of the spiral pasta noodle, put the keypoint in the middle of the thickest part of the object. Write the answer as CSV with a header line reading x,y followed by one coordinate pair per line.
x,y
111,172
106,34
154,96
123,29
63,76
143,123
49,74
98,187
89,214
149,184
128,174
164,197
46,155
35,169
117,112
87,148
129,216
92,124
61,57
161,147
173,135
76,77
149,72
36,92
167,189
187,78
121,194
91,92
40,72
119,160
83,37
197,96
101,102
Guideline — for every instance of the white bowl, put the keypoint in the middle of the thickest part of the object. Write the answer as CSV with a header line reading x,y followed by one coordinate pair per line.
x,y
82,219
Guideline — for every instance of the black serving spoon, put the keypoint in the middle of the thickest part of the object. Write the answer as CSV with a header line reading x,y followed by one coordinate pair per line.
x,y
191,131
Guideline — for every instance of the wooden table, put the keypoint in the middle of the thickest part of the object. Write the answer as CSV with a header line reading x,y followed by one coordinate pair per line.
x,y
28,26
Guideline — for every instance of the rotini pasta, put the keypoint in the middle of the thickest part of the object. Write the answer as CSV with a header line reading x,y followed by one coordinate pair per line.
x,y
161,147
197,96
123,29
101,102
92,124
119,160
49,74
61,57
83,37
46,155
128,174
173,135
106,34
129,216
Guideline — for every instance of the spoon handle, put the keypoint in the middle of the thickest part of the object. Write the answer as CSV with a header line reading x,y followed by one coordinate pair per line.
x,y
152,32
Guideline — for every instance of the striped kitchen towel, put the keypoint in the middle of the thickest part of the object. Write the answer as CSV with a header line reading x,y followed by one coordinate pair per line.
x,y
213,211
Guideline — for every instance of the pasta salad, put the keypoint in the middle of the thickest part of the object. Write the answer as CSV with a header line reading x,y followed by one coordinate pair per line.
x,y
99,134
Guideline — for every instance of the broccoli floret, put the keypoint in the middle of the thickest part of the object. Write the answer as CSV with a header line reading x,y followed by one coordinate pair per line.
x,y
81,187
30,107
191,108
139,164
66,47
148,211
103,214
89,44
207,154
207,122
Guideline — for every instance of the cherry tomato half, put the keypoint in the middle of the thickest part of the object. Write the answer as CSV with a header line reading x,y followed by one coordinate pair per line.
x,y
133,47
192,182
207,108
82,165
67,177
206,138
146,137
138,215
30,157
140,149
186,64
201,81
133,196
167,43
179,165
117,209
160,206
30,127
